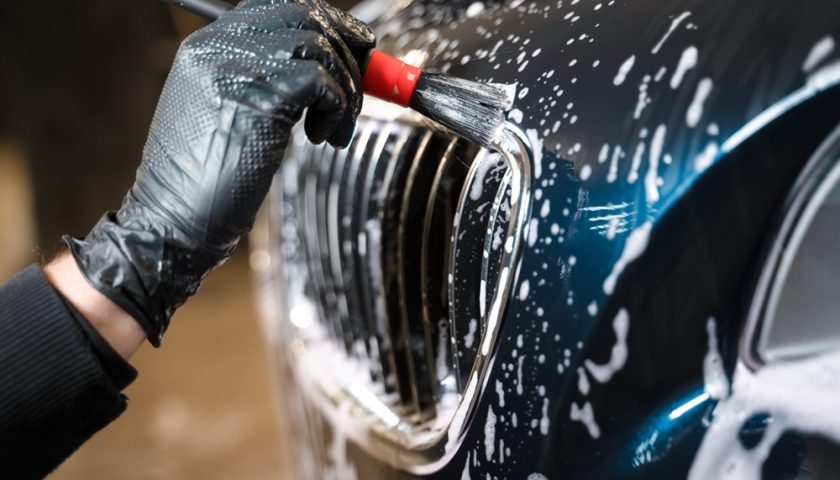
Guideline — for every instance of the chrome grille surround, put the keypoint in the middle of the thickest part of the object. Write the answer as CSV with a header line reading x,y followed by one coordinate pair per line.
x,y
327,287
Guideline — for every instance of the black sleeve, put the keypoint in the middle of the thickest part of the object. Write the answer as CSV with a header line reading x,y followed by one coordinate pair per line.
x,y
54,391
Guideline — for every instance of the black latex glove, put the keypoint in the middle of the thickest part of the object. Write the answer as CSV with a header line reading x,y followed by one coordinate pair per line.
x,y
236,89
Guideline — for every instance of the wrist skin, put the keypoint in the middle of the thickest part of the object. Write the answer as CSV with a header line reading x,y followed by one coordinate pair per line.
x,y
116,326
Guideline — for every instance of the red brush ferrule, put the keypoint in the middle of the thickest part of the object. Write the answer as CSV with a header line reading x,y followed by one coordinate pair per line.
x,y
390,79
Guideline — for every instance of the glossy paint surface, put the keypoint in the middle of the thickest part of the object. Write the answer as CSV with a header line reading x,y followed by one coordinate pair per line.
x,y
654,193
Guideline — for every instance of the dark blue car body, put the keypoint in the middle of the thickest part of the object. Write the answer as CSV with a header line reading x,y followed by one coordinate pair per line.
x,y
668,137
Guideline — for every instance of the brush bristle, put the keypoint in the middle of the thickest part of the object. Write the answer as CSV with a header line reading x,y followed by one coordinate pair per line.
x,y
473,110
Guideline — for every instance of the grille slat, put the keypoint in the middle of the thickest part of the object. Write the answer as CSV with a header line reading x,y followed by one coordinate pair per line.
x,y
348,238
368,259
322,232
396,186
437,236
302,213
308,180
334,253
410,252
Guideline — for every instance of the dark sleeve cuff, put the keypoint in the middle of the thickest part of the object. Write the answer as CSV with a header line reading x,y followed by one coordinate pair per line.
x,y
54,391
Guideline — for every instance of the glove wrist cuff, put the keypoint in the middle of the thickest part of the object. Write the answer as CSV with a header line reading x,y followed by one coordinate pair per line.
x,y
146,274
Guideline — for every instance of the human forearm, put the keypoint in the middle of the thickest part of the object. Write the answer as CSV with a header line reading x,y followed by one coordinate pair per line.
x,y
118,328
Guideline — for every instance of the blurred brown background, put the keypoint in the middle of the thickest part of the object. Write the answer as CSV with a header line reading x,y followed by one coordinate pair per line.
x,y
78,88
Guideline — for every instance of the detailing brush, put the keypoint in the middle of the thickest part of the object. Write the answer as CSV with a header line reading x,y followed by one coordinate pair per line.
x,y
474,110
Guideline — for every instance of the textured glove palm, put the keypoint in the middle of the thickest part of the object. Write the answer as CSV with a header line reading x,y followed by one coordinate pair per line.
x,y
223,121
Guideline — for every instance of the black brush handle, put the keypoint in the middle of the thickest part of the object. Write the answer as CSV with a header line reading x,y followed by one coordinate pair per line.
x,y
209,9
212,9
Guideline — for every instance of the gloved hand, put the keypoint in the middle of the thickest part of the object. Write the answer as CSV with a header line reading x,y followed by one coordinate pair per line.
x,y
236,89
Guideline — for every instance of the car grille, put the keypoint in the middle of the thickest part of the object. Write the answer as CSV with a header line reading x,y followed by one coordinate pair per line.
x,y
396,257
